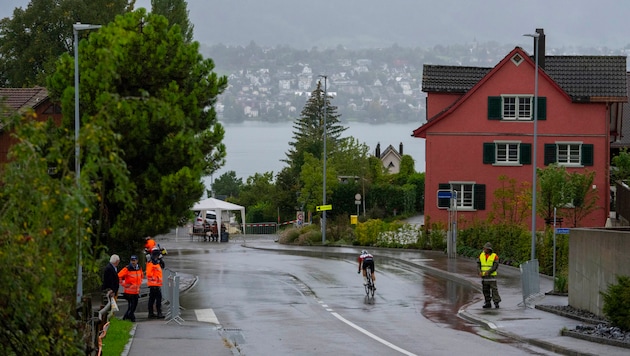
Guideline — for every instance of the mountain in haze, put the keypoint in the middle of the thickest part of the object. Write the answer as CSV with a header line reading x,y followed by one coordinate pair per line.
x,y
355,24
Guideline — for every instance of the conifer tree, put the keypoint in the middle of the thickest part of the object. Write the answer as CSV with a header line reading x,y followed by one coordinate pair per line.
x,y
176,12
308,131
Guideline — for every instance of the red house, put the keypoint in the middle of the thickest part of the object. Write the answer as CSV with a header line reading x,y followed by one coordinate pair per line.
x,y
14,100
480,126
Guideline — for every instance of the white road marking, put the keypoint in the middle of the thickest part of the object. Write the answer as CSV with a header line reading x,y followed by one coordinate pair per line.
x,y
206,316
384,342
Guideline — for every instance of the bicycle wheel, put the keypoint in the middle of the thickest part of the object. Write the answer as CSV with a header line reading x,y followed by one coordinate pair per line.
x,y
369,288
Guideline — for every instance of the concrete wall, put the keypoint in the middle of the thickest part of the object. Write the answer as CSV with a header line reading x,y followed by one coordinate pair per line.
x,y
596,258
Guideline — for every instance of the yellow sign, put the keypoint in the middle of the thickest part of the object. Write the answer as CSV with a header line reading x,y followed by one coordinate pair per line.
x,y
323,207
354,219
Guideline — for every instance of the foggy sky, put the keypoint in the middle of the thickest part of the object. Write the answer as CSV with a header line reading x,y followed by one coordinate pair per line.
x,y
408,23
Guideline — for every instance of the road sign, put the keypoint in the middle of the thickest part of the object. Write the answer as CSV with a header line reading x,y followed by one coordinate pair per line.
x,y
444,194
562,231
323,207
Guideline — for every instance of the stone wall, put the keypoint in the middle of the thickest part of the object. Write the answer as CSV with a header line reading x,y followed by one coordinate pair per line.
x,y
596,258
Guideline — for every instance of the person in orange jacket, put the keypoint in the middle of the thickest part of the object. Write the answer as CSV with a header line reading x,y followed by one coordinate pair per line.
x,y
130,278
149,244
154,281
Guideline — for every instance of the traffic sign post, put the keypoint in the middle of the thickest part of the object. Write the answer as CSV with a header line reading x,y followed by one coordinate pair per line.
x,y
451,241
323,207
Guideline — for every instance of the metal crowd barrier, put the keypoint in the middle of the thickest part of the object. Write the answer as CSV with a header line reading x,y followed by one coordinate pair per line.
x,y
530,280
261,228
170,296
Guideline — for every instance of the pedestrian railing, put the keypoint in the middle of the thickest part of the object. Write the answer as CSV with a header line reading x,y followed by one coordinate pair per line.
x,y
170,296
261,228
530,279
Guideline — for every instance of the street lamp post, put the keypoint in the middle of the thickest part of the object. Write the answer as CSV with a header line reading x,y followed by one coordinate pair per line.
x,y
324,158
77,148
536,37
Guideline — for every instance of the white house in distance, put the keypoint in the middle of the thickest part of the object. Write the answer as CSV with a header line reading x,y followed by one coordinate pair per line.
x,y
390,157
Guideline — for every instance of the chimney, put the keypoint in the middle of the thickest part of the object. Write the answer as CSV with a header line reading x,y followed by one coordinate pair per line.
x,y
378,150
400,149
541,48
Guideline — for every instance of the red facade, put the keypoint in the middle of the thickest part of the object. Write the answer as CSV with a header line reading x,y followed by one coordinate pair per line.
x,y
468,147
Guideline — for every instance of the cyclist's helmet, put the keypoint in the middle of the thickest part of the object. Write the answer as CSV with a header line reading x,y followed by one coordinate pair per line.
x,y
364,252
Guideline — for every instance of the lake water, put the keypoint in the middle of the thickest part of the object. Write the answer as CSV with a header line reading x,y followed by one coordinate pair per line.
x,y
257,147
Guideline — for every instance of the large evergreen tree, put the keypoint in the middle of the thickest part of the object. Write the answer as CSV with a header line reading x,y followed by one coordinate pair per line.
x,y
140,79
308,133
176,11
308,137
34,38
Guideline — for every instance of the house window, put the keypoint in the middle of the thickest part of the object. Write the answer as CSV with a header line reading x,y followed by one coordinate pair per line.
x,y
507,153
469,195
569,154
515,108
464,195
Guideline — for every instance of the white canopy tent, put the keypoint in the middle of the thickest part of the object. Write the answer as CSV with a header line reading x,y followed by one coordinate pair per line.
x,y
218,206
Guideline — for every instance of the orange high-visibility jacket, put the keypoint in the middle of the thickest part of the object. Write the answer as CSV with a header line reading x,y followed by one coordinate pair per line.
x,y
130,279
154,274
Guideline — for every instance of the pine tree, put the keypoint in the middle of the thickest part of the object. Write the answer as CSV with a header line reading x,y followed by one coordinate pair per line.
x,y
308,131
176,12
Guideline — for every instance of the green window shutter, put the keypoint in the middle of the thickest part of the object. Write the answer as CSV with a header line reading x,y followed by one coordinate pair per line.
x,y
444,203
489,155
587,155
525,153
495,108
550,154
480,197
542,108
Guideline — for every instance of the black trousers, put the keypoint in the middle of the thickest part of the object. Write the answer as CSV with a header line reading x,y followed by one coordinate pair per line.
x,y
132,304
155,297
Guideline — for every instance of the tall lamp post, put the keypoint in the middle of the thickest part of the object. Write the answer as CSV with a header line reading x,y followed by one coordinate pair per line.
x,y
534,193
77,148
324,158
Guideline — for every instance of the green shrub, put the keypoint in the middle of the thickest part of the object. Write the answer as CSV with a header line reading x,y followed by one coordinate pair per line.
x,y
289,235
617,303
561,283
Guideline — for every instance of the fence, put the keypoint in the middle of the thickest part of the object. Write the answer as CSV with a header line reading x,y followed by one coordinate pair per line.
x,y
261,228
170,294
530,280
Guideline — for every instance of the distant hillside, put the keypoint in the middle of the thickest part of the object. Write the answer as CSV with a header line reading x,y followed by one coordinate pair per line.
x,y
408,23
303,24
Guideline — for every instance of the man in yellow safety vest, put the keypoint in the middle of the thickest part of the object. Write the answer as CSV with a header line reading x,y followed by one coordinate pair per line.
x,y
487,265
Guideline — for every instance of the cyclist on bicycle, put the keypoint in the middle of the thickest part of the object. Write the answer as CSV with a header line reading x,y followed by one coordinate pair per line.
x,y
366,260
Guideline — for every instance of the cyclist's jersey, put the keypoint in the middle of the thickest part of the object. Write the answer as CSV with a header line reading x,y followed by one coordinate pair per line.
x,y
366,260
366,257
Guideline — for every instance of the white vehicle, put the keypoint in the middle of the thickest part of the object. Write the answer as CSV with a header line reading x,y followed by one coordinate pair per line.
x,y
199,221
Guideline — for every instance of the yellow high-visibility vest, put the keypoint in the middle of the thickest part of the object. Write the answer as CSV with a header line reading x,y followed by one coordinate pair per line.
x,y
486,263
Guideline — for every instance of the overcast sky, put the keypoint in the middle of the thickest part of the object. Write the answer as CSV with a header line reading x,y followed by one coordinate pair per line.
x,y
408,23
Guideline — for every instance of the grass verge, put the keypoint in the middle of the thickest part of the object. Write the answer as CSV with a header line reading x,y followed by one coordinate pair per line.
x,y
117,337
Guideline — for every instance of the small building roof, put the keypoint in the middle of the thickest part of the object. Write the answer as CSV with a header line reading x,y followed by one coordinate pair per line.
x,y
21,98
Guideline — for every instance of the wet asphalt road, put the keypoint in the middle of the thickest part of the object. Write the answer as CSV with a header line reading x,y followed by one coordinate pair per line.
x,y
313,303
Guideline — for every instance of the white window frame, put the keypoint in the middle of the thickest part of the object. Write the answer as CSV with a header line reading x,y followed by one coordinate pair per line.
x,y
465,194
517,107
569,154
507,153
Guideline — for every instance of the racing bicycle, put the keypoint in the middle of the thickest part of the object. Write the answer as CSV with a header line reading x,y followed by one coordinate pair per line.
x,y
369,287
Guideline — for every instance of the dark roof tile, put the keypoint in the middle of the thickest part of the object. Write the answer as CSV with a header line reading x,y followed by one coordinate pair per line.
x,y
583,78
22,98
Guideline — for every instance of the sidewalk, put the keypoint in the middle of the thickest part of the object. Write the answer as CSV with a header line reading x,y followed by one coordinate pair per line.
x,y
527,324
